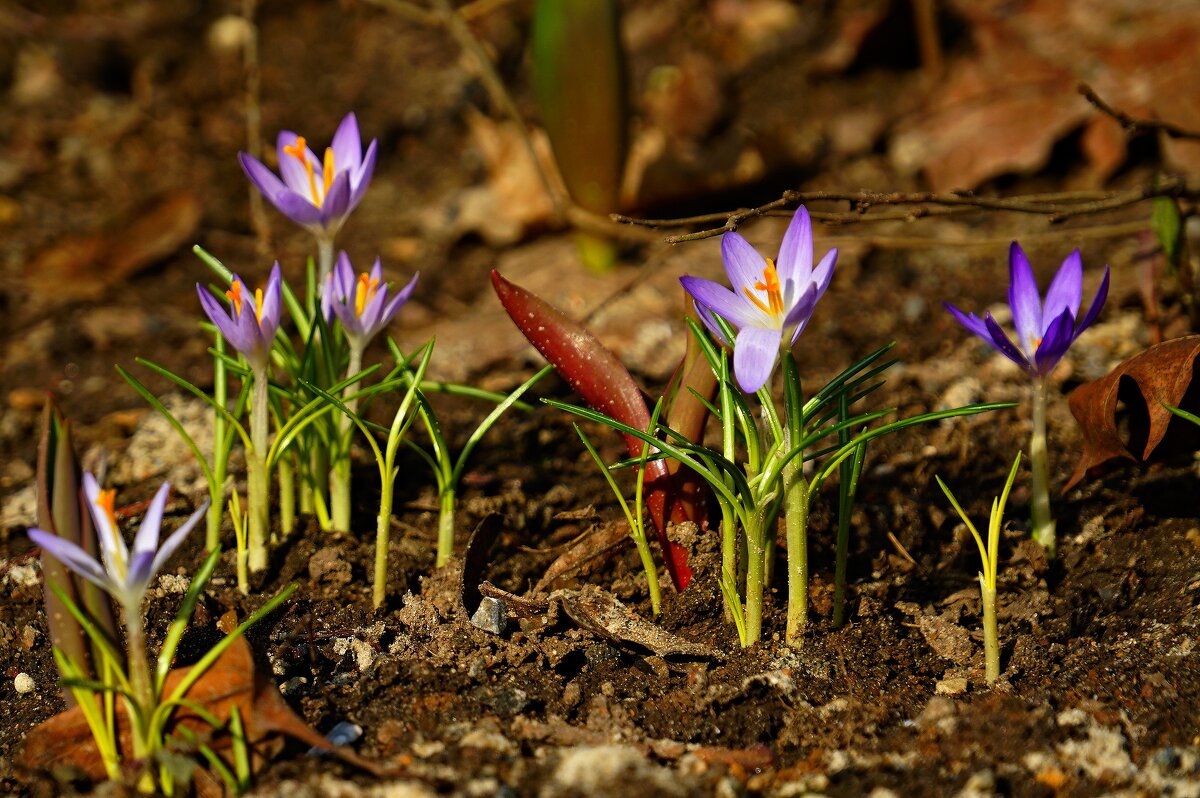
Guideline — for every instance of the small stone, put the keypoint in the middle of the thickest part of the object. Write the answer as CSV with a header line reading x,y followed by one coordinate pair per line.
x,y
228,622
297,685
327,565
23,683
491,616
955,686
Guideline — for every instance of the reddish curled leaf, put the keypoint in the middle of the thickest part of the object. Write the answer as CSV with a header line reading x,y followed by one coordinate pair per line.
x,y
599,377
1161,375
65,739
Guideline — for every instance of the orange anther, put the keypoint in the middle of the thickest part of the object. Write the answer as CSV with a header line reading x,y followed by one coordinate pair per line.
x,y
258,305
299,151
235,296
769,283
328,175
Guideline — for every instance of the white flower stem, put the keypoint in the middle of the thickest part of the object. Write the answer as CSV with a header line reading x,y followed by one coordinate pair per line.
x,y
142,689
324,259
1043,522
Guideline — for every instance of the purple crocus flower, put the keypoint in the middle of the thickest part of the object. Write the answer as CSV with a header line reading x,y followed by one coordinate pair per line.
x,y
1044,330
124,575
770,303
316,193
250,330
361,303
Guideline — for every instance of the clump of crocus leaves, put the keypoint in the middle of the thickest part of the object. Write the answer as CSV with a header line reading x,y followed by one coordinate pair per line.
x,y
1045,330
758,473
97,672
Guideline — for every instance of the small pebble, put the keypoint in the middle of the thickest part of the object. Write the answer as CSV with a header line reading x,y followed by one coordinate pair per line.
x,y
23,683
490,616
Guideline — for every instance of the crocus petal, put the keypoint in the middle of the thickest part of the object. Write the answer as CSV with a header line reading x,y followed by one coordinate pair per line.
x,y
393,306
743,264
721,301
795,254
970,321
1097,303
291,168
337,202
147,536
137,579
362,177
1054,345
1065,292
754,355
296,207
263,178
824,271
709,320
1000,341
347,145
112,545
1024,299
72,556
272,302
802,310
176,538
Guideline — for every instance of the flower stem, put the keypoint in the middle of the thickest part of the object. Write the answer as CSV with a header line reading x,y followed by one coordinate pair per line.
x,y
756,562
339,474
287,494
142,688
991,638
1043,522
383,528
445,544
729,555
795,516
324,259
257,477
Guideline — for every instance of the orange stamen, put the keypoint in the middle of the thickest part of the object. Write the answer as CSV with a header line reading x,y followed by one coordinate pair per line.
x,y
258,305
235,296
769,283
299,151
107,502
365,292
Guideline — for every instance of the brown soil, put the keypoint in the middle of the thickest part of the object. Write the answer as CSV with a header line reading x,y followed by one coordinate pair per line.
x,y
1099,688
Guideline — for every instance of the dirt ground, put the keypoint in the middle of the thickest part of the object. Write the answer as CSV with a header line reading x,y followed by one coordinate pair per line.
x,y
122,127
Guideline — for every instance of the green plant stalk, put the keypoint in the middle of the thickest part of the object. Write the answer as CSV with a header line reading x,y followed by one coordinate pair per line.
x,y
142,689
991,635
445,539
1039,460
339,474
383,529
756,562
795,515
258,477
216,509
239,537
286,474
847,490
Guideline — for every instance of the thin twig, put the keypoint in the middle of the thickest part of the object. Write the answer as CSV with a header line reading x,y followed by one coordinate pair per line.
x,y
1132,123
1119,230
1058,208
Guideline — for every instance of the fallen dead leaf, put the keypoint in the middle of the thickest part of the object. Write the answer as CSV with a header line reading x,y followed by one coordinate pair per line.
x,y
1161,375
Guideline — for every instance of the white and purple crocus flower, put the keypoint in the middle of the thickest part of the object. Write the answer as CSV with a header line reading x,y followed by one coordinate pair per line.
x,y
1045,330
361,303
123,574
248,324
770,304
316,193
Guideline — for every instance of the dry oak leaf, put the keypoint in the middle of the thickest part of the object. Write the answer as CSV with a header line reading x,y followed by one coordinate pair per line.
x,y
1161,375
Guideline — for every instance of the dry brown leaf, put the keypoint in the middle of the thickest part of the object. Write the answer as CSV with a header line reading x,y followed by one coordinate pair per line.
x,y
1003,108
1161,375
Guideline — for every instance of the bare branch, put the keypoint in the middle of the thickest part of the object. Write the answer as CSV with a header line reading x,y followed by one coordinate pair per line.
x,y
1134,124
1057,207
